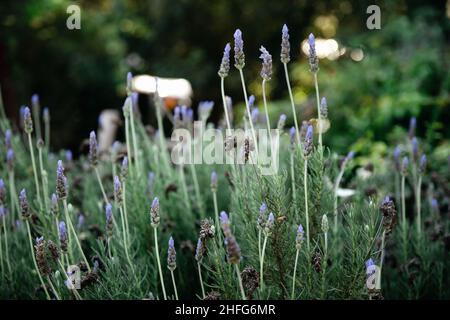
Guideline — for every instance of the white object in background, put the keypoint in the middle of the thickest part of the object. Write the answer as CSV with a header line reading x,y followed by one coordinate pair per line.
x,y
109,121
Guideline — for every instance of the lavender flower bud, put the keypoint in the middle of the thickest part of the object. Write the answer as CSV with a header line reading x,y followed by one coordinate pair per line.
x,y
324,108
118,191
27,121
423,163
412,127
214,181
292,134
369,263
69,156
324,223
109,220
124,169
129,83
62,233
349,156
8,136
35,100
404,167
261,221
225,64
251,101
150,182
255,115
300,237
154,213
2,213
93,149
200,250
313,60
2,193
308,145
171,256
10,159
285,45
266,71
281,122
231,245
396,156
269,224
54,209
224,222
24,205
80,222
239,56
46,115
435,205
204,109
61,182
415,149
135,102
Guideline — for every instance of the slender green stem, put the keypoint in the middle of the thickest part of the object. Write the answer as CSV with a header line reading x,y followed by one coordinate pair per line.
x,y
184,188
36,180
241,287
159,264
13,198
305,179
37,121
53,288
199,268
127,141
335,191
197,189
261,268
101,184
263,85
418,204
403,223
248,110
316,85
34,260
259,245
291,97
403,200
47,133
133,137
5,231
383,239
125,213
174,284
72,229
224,101
295,272
162,141
124,230
2,266
216,213
294,192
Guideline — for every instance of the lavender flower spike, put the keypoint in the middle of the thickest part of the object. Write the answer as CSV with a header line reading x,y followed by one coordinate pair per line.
x,y
239,56
324,108
269,224
281,122
261,221
8,136
171,256
412,127
62,233
292,134
129,83
266,71
24,205
225,64
124,169
415,149
285,45
423,163
214,181
300,237
109,220
404,167
27,120
154,213
2,193
118,197
308,145
61,182
396,156
200,250
232,247
93,149
313,60
54,209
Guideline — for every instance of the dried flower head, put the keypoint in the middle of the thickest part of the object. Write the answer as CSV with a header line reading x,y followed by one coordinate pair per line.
x,y
313,59
213,295
207,229
41,257
24,205
316,261
93,149
239,56
27,120
40,143
387,208
266,70
118,197
281,121
109,220
308,144
250,281
61,182
154,213
53,249
324,223
62,233
225,64
285,45
300,237
171,256
323,108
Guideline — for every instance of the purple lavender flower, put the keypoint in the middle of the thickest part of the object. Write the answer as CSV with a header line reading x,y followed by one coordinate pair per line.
x,y
225,64
313,60
308,144
204,109
54,209
124,169
239,56
415,149
61,182
8,136
2,192
46,115
24,205
27,120
231,245
292,134
109,220
80,222
350,156
93,149
200,250
251,101
224,222
422,163
261,221
2,213
69,156
404,167
269,224
214,181
255,115
435,205
285,45
266,71
62,233
324,108
281,121
34,100
118,191
150,182
171,255
129,83
300,237
154,213
412,127
396,156
369,263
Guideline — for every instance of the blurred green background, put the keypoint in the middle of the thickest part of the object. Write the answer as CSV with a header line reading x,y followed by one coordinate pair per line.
x,y
379,79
